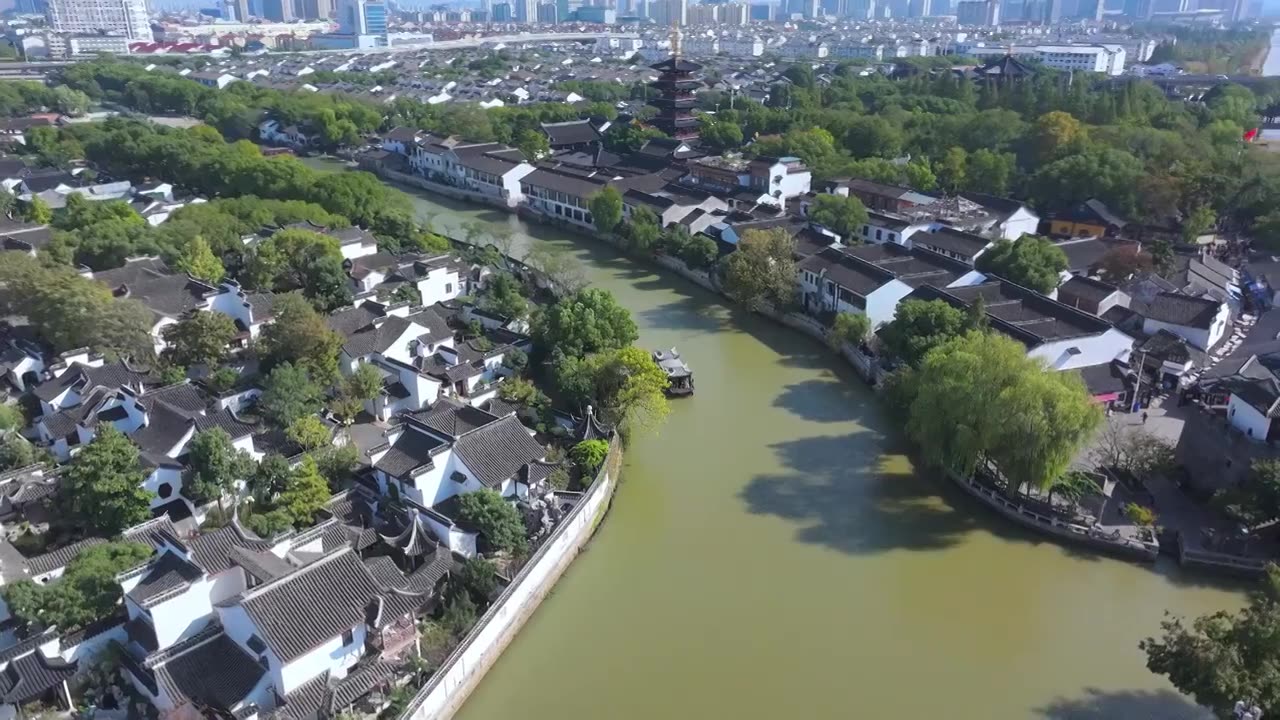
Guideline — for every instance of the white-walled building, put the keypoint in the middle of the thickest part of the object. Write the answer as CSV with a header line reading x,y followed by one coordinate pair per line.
x,y
1201,321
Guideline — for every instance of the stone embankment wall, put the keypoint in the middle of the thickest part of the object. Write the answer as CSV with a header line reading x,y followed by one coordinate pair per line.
x,y
462,671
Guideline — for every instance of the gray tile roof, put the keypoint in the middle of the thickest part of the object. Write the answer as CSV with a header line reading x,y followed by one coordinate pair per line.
x,y
168,575
84,378
212,551
1183,310
296,613
31,675
263,565
50,561
412,450
215,672
452,418
498,450
227,420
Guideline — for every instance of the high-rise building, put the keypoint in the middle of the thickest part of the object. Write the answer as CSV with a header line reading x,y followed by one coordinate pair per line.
x,y
978,12
762,11
126,18
527,11
734,13
547,14
277,10
919,8
361,17
703,14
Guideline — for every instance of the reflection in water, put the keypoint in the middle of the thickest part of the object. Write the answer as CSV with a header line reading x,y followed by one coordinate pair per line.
x,y
771,554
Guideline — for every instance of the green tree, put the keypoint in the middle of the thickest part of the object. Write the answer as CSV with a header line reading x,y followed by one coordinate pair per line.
x,y
699,253
16,452
533,144
336,463
720,135
1224,657
627,387
642,232
11,418
919,326
498,521
270,478
102,487
589,455
301,336
289,394
628,137
501,295
1056,134
1032,261
477,577
606,209
199,339
309,432
588,322
990,172
1257,499
851,328
87,591
762,269
198,261
37,211
305,493
216,466
843,215
1198,222
952,170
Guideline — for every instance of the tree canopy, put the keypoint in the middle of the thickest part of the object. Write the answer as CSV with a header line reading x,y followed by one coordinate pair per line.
x,y
498,521
918,326
87,591
762,269
102,487
1031,261
842,214
587,322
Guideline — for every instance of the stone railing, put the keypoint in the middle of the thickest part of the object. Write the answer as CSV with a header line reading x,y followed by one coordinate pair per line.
x,y
1191,557
462,671
1083,534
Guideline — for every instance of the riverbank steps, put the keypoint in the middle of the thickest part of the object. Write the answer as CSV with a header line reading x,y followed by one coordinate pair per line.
x,y
771,553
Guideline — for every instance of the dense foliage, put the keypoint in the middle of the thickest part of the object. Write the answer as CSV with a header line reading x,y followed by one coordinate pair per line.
x,y
87,591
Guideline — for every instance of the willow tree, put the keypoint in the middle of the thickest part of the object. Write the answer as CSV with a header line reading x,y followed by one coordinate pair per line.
x,y
979,395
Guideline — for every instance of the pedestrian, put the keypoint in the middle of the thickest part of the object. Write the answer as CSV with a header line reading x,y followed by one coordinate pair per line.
x,y
1144,418
1108,411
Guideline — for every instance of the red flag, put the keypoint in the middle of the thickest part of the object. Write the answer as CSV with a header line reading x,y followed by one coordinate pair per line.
x,y
1249,135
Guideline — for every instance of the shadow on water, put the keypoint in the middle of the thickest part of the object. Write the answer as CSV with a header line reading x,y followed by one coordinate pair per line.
x,y
1124,704
838,502
825,400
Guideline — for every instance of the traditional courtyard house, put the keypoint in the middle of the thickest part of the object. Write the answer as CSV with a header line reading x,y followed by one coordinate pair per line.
x,y
764,180
491,169
693,206
469,369
354,242
228,622
572,135
168,295
451,449
1063,337
251,311
1201,321
872,279
272,132
562,195
880,196
1085,255
1240,401
1091,295
883,227
396,343
835,281
24,237
77,374
1001,217
22,362
213,79
401,140
953,243
1091,218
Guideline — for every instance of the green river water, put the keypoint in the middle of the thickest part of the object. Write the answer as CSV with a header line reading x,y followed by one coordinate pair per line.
x,y
771,554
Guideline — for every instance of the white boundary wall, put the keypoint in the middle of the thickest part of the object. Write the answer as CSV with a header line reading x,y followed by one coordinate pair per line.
x,y
462,671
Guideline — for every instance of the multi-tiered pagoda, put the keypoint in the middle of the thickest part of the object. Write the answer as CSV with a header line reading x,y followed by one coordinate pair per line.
x,y
675,101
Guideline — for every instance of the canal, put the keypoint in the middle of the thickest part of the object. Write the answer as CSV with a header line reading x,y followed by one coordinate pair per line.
x,y
771,554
